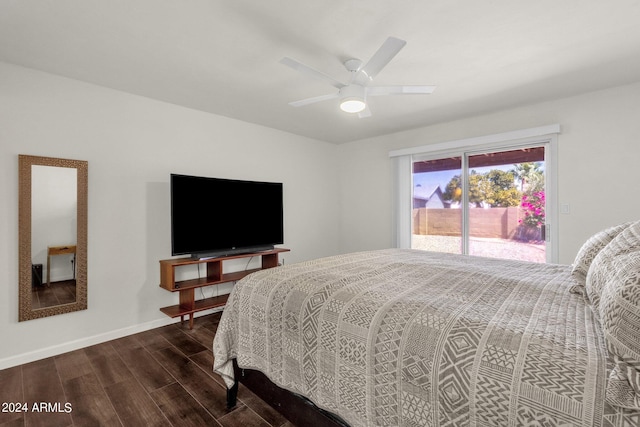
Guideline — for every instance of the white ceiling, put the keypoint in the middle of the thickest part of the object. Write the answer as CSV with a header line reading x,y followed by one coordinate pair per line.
x,y
222,56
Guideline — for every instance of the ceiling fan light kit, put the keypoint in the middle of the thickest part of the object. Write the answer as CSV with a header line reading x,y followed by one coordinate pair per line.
x,y
353,95
352,98
352,105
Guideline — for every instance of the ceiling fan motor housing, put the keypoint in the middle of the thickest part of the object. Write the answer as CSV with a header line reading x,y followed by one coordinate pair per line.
x,y
353,65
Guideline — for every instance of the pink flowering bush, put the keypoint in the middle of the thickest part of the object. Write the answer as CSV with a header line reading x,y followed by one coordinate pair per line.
x,y
533,207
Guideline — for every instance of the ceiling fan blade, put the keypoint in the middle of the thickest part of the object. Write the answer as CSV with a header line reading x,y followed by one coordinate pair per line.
x,y
381,58
298,66
399,90
364,113
313,100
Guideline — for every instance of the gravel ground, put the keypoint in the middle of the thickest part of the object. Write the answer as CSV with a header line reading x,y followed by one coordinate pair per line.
x,y
494,248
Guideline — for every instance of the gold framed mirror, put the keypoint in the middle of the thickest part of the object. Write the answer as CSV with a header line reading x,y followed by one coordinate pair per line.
x,y
52,242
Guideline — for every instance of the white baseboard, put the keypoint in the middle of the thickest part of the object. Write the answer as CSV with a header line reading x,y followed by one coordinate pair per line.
x,y
57,349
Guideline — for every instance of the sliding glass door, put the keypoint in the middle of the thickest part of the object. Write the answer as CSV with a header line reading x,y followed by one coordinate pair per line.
x,y
488,203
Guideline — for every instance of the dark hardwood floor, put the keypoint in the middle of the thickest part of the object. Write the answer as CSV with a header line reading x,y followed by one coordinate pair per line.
x,y
161,377
63,292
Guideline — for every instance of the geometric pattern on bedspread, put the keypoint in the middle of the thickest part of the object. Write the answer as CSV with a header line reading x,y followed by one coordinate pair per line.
x,y
410,338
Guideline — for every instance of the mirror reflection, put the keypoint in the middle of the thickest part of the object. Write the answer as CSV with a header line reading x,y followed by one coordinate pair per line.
x,y
53,236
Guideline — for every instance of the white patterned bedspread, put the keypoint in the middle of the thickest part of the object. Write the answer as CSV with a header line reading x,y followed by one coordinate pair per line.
x,y
411,338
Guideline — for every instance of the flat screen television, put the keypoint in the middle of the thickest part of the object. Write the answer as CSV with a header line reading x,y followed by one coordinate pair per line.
x,y
215,217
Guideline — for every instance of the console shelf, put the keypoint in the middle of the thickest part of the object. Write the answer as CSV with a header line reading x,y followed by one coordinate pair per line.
x,y
186,288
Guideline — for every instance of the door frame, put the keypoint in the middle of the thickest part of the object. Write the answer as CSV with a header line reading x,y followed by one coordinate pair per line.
x,y
403,162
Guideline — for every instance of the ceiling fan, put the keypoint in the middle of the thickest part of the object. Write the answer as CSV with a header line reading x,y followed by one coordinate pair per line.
x,y
353,95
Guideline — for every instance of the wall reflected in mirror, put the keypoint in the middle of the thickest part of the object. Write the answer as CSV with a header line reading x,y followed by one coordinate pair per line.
x,y
53,236
54,208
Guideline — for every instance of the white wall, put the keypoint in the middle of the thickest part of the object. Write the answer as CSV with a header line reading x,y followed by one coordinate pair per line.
x,y
599,149
132,144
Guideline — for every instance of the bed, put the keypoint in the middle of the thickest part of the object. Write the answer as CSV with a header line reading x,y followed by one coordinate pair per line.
x,y
411,338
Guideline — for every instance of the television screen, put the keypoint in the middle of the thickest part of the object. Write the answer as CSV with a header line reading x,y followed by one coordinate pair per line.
x,y
213,216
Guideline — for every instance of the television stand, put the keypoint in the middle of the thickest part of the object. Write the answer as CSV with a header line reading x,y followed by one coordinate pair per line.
x,y
188,305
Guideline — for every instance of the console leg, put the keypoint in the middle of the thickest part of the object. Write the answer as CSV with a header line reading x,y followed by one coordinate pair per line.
x,y
232,395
